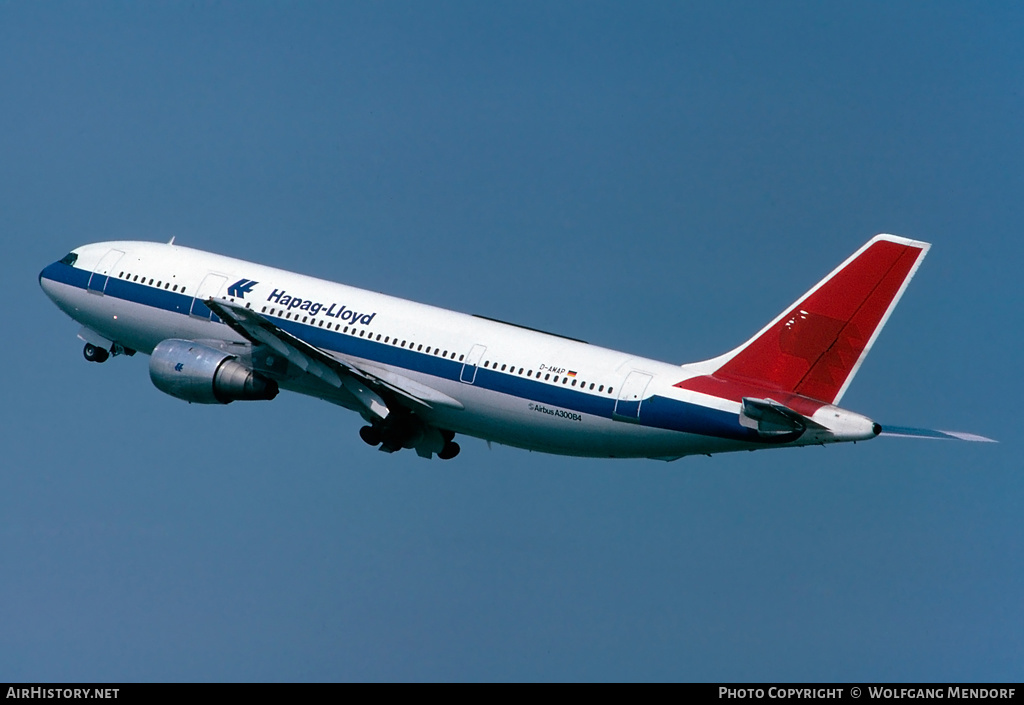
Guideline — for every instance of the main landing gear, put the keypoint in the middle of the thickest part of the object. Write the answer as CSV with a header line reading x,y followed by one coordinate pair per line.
x,y
375,436
371,436
451,448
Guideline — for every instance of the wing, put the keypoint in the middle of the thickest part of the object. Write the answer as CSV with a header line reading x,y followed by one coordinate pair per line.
x,y
380,390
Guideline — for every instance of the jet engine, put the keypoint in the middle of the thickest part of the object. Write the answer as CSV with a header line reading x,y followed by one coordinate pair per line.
x,y
204,375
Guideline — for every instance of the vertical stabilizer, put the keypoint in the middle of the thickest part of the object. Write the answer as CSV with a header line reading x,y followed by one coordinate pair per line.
x,y
815,347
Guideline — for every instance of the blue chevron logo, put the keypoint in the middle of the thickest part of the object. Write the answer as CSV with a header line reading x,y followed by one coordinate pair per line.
x,y
241,287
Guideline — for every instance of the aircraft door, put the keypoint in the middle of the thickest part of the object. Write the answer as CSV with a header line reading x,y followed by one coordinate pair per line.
x,y
631,394
211,286
101,275
468,374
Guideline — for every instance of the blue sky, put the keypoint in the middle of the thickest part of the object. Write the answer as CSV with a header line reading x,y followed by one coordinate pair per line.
x,y
662,179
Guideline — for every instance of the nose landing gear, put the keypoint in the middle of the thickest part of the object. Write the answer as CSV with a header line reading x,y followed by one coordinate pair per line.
x,y
95,354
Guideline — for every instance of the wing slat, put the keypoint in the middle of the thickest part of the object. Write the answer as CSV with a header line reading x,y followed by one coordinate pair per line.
x,y
333,369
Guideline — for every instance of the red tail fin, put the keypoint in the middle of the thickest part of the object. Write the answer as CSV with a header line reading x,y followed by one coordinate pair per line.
x,y
816,346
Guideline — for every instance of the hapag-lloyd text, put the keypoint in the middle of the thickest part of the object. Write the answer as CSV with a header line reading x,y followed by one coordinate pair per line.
x,y
314,307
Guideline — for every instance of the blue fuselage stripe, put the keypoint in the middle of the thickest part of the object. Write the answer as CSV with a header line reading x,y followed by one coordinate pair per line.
x,y
655,411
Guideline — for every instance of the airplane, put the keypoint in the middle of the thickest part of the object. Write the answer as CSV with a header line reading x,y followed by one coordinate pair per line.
x,y
220,330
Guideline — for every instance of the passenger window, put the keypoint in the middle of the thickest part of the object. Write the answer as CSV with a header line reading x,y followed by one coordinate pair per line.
x,y
461,358
591,385
502,368
378,336
386,339
574,383
167,285
136,278
176,288
547,376
610,390
419,348
151,282
601,388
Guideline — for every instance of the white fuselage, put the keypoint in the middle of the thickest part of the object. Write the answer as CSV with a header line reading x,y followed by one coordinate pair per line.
x,y
516,386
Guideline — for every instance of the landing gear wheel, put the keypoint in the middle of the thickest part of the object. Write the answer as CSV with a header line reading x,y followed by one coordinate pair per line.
x,y
450,450
370,435
94,354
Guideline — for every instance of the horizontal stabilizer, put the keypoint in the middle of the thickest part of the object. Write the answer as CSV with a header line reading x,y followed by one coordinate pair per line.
x,y
905,432
774,420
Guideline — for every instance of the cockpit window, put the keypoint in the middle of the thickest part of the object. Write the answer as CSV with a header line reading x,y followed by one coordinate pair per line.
x,y
69,259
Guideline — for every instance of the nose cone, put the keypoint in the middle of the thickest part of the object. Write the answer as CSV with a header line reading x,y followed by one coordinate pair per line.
x,y
47,277
55,279
61,279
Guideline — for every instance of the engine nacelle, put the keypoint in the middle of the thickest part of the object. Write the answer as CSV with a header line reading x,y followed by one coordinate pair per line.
x,y
203,375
